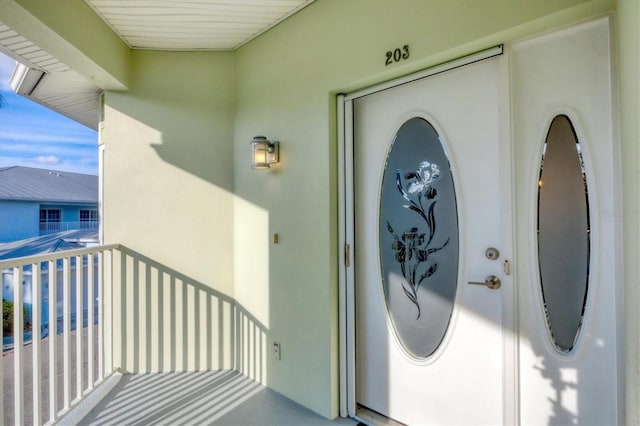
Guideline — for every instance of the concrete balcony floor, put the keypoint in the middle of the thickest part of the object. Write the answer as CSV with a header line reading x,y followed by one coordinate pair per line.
x,y
222,397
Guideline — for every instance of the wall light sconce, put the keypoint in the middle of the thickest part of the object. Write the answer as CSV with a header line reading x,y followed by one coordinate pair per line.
x,y
264,153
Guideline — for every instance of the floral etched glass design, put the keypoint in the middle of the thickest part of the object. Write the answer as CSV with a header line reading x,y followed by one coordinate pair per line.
x,y
563,233
418,238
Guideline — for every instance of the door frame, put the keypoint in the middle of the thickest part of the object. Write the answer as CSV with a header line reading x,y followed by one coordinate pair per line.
x,y
346,227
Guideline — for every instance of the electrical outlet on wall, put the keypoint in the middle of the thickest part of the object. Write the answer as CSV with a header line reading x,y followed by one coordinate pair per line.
x,y
277,351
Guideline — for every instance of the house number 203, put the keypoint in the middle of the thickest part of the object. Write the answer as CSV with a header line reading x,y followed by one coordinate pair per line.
x,y
397,55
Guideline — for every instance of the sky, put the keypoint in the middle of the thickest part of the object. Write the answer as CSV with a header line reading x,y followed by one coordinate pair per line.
x,y
34,136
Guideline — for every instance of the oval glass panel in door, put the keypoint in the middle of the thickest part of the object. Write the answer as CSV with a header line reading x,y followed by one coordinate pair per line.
x,y
418,238
563,233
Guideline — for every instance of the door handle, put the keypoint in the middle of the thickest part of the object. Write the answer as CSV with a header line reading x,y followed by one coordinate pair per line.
x,y
492,282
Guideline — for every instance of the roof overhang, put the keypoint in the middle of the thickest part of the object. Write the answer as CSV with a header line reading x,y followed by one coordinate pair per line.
x,y
66,93
44,79
72,86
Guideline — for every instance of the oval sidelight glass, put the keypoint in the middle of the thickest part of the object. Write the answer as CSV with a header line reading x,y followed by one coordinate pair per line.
x,y
418,238
563,233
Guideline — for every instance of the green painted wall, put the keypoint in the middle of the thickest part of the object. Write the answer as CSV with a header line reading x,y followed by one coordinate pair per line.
x,y
628,60
168,168
168,194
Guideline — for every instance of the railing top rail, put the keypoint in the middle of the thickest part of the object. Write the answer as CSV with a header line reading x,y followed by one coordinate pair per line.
x,y
28,260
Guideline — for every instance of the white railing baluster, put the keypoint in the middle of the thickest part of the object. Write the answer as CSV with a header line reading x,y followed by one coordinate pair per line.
x,y
79,325
108,311
53,332
18,348
66,330
90,314
101,307
36,322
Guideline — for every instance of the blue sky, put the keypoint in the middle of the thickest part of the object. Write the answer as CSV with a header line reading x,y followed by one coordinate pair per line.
x,y
34,136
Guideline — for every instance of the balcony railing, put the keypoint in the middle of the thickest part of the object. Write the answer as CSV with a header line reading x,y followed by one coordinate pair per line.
x,y
53,227
79,315
55,318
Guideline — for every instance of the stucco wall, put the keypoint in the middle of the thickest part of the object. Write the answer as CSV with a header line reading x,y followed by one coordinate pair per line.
x,y
628,61
18,220
168,179
168,171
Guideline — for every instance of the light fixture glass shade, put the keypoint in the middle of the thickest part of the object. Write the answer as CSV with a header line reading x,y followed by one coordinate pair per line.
x,y
263,152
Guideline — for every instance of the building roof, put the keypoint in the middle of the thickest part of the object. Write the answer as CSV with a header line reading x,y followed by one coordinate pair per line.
x,y
47,186
67,240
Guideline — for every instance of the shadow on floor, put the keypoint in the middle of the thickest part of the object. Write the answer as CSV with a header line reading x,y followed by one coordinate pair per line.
x,y
222,397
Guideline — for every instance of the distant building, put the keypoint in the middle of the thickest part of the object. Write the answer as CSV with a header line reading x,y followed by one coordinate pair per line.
x,y
36,202
50,243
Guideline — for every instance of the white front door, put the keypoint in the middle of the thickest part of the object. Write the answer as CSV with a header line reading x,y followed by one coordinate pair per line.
x,y
429,185
567,226
487,283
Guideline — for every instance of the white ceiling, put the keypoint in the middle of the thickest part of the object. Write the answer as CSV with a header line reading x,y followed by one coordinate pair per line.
x,y
192,24
141,24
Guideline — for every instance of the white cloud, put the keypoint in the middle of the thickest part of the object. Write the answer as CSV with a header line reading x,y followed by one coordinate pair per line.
x,y
54,135
49,160
36,150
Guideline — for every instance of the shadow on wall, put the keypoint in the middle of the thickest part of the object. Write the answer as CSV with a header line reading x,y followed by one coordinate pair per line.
x,y
170,322
193,115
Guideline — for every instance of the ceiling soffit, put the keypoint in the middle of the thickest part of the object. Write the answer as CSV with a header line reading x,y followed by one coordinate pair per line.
x,y
193,24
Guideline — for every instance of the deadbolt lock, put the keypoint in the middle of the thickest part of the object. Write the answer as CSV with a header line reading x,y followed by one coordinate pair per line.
x,y
492,253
